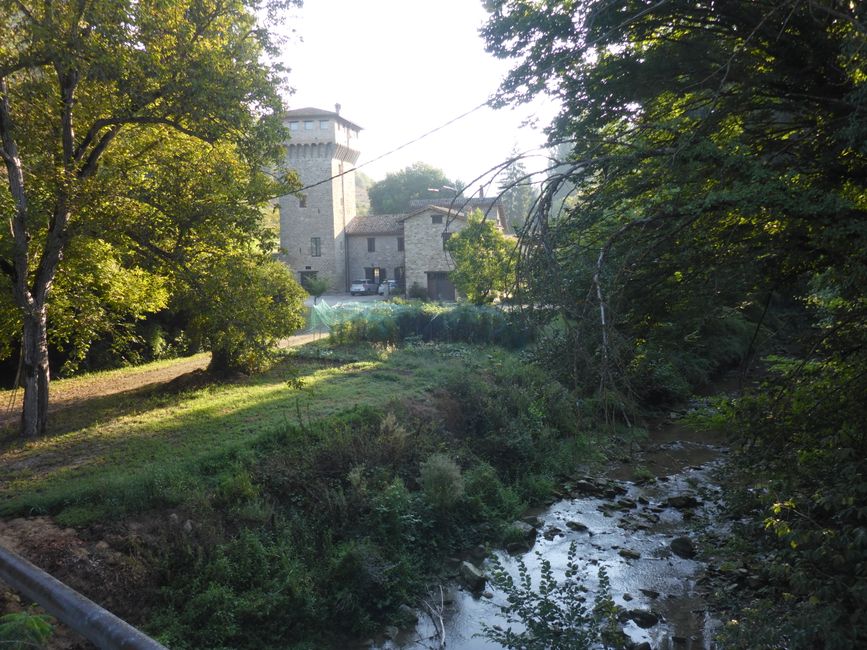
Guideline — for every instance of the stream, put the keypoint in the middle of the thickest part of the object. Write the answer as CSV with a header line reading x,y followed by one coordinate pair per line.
x,y
625,522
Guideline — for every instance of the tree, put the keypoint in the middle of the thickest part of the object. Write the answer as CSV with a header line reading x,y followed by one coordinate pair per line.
x,y
517,191
245,307
712,168
91,94
484,259
393,194
720,174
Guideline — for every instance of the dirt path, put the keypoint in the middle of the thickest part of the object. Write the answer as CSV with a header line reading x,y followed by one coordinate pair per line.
x,y
70,392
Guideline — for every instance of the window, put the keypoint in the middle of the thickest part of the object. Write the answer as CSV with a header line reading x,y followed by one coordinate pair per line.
x,y
302,201
293,125
323,124
316,247
400,243
436,219
308,125
446,237
371,244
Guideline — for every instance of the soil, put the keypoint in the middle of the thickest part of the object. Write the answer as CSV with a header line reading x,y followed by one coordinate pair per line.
x,y
102,564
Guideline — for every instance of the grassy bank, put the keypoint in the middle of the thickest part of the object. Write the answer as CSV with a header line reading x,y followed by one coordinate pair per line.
x,y
322,495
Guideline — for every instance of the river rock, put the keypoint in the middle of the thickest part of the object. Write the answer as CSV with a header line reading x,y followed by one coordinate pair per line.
x,y
682,501
577,526
650,593
408,616
641,617
518,548
479,552
629,554
472,576
552,532
585,487
683,547
527,531
391,632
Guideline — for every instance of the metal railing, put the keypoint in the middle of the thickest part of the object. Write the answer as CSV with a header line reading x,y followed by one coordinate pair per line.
x,y
97,625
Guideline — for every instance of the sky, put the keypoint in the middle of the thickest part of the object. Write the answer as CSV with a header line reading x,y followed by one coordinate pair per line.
x,y
400,68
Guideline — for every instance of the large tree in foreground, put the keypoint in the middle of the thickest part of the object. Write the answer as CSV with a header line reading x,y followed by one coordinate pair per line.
x,y
718,193
81,83
718,158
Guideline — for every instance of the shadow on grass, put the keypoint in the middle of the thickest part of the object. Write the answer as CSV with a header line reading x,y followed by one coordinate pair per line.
x,y
126,441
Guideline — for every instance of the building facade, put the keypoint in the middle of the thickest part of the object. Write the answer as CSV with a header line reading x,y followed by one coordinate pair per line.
x,y
321,235
323,150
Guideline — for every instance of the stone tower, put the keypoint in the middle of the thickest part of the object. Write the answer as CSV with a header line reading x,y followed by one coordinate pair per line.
x,y
323,146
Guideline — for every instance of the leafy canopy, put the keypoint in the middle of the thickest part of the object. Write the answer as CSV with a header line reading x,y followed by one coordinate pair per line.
x,y
393,194
483,258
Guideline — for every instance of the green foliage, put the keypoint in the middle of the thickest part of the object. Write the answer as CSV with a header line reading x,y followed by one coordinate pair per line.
x,y
416,292
140,140
517,192
22,630
393,194
801,446
483,257
251,592
241,310
316,286
554,615
701,186
395,322
441,481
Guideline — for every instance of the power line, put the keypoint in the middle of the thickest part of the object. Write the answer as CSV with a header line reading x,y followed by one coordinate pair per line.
x,y
487,103
398,148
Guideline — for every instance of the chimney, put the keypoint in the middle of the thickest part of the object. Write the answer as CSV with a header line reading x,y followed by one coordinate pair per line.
x,y
337,108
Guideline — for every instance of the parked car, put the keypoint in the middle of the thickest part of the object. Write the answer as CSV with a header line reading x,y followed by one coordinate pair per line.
x,y
363,287
392,287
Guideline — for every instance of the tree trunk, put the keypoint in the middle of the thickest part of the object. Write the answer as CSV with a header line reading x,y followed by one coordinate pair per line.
x,y
34,415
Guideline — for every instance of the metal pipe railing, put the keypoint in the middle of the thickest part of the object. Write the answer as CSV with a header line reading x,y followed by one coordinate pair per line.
x,y
97,625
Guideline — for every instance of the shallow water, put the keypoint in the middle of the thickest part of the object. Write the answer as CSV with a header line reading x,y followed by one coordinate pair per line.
x,y
657,580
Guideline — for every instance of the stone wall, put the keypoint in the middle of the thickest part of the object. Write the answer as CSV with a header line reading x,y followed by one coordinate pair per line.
x,y
424,245
325,151
386,255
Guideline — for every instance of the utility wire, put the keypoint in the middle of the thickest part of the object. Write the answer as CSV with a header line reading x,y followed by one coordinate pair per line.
x,y
487,102
398,148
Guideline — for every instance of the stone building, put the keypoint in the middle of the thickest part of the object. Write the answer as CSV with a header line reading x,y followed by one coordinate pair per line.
x,y
321,236
323,149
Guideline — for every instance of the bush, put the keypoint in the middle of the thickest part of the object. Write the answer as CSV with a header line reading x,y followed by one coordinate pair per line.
x,y
441,482
416,292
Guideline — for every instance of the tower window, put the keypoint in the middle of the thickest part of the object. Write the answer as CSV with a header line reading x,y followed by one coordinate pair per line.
x,y
436,219
446,237
371,244
315,247
293,125
400,243
323,124
308,125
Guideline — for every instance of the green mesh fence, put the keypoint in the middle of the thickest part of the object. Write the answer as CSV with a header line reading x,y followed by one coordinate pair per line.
x,y
392,322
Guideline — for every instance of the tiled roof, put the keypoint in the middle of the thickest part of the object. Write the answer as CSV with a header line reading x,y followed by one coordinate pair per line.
x,y
454,213
376,224
460,203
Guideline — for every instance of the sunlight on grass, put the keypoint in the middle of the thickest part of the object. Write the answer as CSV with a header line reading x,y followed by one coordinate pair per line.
x,y
150,432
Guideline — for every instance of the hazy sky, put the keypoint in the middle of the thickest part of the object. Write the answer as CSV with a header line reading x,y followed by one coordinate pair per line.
x,y
400,68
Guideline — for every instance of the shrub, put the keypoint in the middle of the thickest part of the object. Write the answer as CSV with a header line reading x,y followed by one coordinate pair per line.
x,y
416,292
441,481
